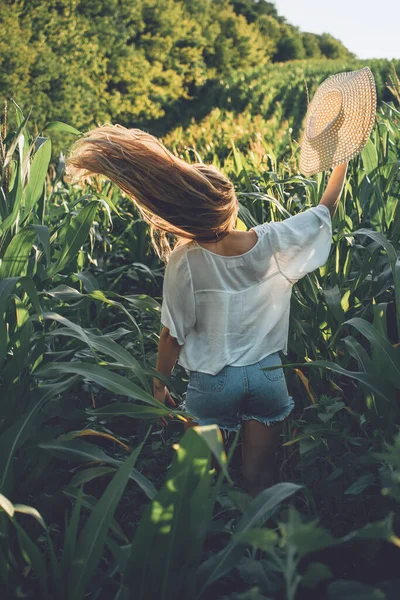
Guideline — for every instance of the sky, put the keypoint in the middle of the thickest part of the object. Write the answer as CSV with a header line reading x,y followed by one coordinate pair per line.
x,y
369,28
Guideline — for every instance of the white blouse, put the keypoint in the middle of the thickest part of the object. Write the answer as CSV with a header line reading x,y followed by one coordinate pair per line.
x,y
234,310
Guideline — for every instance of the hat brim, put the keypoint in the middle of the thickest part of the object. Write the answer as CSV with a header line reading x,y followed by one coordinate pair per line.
x,y
344,138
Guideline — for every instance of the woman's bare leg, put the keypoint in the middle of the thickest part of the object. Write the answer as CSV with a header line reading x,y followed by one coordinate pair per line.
x,y
259,445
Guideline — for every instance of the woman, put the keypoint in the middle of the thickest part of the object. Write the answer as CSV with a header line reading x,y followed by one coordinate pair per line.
x,y
226,293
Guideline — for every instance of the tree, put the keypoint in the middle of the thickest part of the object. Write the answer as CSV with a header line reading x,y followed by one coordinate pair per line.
x,y
252,10
289,46
16,57
333,48
311,45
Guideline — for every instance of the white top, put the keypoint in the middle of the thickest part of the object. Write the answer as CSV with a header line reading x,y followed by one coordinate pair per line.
x,y
234,310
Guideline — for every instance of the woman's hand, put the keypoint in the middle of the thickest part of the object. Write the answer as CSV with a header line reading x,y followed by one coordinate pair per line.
x,y
161,393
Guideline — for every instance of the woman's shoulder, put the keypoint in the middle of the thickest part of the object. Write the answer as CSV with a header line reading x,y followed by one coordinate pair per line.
x,y
260,229
178,258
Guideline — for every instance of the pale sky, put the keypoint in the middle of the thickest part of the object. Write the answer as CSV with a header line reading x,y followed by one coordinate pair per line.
x,y
369,28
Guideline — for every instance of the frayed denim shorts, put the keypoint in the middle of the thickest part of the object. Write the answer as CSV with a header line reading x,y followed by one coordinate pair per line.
x,y
237,394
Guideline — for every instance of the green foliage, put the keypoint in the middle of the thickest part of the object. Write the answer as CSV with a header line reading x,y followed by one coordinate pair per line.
x,y
42,241
331,47
289,47
134,62
261,110
79,322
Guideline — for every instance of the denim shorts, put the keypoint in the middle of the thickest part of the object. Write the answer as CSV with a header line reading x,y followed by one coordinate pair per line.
x,y
237,394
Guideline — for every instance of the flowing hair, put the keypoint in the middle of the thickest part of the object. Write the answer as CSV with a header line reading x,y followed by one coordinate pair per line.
x,y
190,201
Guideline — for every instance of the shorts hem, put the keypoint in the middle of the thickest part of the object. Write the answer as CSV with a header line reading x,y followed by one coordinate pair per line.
x,y
266,421
225,428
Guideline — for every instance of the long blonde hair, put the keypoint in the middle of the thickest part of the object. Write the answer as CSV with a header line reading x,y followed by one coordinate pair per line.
x,y
191,201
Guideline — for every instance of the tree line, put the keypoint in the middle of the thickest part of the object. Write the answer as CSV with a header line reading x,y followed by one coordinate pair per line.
x,y
89,61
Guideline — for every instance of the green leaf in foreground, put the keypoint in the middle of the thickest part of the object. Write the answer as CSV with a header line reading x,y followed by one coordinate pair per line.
x,y
167,546
258,512
92,539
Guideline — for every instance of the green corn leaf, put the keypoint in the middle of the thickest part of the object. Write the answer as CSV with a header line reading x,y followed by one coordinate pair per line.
x,y
369,156
120,554
333,300
379,386
14,202
99,343
90,474
390,355
397,290
6,289
133,411
37,177
63,568
382,241
259,511
213,439
29,287
75,237
77,451
89,502
359,353
265,504
21,312
382,530
241,166
107,379
43,236
6,505
167,546
263,539
14,143
67,293
309,537
24,428
34,558
92,539
88,280
394,262
360,484
60,126
29,510
16,257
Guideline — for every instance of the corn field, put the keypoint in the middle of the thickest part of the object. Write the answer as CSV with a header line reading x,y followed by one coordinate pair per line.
x,y
98,501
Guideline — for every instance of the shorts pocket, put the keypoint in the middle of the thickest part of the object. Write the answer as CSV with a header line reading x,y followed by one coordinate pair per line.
x,y
272,361
204,382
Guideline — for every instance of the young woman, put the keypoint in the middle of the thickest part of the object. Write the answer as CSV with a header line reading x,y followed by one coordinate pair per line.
x,y
226,293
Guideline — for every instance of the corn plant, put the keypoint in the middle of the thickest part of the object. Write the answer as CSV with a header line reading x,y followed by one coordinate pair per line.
x,y
77,348
358,290
47,359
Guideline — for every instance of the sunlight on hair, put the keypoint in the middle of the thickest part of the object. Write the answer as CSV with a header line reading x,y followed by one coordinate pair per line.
x,y
190,201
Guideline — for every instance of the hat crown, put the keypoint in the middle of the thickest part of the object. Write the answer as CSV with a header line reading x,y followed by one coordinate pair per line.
x,y
324,113
339,120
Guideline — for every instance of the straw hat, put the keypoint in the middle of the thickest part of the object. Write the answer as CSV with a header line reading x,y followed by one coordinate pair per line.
x,y
339,120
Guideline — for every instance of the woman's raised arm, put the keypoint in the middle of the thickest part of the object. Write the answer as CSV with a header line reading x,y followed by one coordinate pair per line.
x,y
333,191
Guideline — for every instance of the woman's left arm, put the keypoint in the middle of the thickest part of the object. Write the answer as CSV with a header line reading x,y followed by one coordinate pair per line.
x,y
168,352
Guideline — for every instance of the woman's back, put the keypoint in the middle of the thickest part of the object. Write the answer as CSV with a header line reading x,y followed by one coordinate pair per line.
x,y
233,309
233,244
